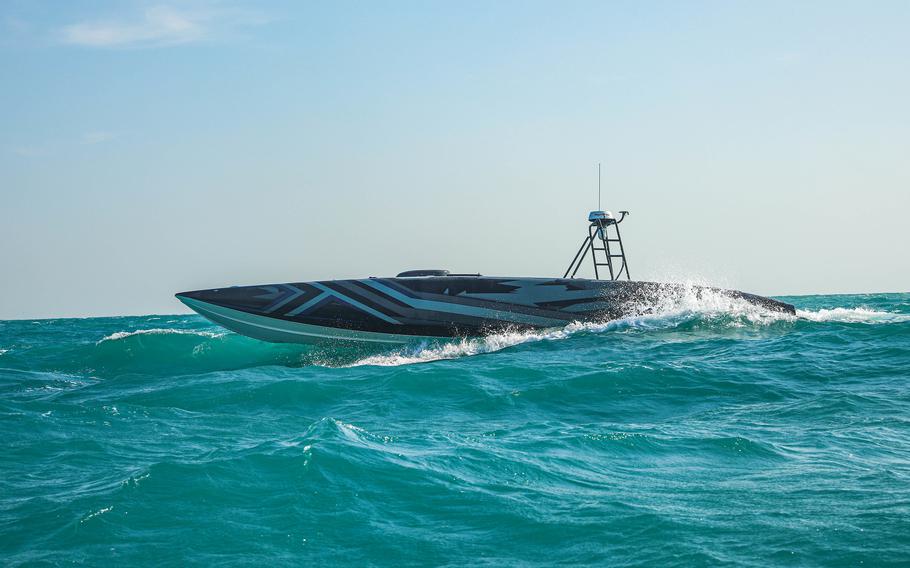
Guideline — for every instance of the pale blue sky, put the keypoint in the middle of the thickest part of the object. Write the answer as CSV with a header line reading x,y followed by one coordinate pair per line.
x,y
150,148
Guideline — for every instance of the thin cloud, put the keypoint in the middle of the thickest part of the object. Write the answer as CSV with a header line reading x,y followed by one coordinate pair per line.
x,y
158,26
97,137
13,30
788,57
12,24
29,151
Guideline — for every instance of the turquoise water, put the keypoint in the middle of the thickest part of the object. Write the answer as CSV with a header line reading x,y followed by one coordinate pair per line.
x,y
703,434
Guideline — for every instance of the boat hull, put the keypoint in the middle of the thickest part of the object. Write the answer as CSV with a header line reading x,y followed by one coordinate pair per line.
x,y
397,311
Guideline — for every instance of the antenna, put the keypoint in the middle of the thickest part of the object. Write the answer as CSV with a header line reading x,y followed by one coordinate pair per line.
x,y
598,186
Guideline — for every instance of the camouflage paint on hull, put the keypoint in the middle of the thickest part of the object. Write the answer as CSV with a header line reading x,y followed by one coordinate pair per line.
x,y
401,310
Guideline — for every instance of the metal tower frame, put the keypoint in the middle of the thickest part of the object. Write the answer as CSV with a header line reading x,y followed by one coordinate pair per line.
x,y
599,230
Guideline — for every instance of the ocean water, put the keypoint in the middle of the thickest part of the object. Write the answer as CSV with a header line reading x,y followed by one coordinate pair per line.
x,y
708,433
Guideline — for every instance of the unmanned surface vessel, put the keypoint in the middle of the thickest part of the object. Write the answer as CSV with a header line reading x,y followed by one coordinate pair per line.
x,y
422,305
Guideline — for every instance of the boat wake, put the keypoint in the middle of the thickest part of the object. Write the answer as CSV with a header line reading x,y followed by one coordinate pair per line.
x,y
852,315
194,347
689,310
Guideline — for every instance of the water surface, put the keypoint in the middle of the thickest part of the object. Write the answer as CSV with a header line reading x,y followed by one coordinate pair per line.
x,y
706,433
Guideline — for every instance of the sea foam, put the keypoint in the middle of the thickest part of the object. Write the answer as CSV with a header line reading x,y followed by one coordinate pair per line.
x,y
852,315
159,331
688,303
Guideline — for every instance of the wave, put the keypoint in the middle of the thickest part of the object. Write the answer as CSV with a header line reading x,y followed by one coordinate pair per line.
x,y
729,312
465,347
426,352
160,331
94,514
852,315
686,308
687,312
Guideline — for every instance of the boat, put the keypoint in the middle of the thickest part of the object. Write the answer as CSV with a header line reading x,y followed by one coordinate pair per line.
x,y
436,305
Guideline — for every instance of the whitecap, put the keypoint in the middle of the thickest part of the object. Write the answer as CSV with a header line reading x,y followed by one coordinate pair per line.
x,y
159,331
682,303
852,315
97,513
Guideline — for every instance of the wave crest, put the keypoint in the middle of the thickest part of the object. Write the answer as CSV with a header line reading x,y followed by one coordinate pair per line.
x,y
689,306
159,331
852,315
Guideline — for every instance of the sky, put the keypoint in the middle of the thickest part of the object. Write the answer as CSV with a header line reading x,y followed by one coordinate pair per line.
x,y
151,148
